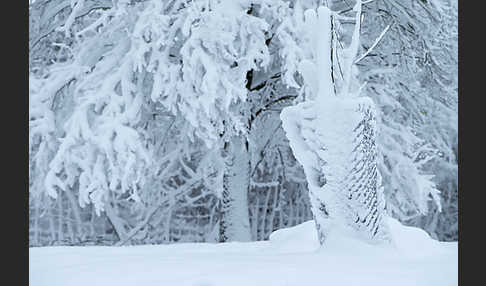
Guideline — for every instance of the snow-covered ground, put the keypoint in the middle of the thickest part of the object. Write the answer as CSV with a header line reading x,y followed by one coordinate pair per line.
x,y
290,258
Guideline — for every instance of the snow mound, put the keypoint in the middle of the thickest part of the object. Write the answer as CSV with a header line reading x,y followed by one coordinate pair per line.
x,y
409,241
300,238
292,257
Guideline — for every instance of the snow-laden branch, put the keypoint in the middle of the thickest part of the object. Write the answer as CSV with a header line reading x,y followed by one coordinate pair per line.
x,y
375,43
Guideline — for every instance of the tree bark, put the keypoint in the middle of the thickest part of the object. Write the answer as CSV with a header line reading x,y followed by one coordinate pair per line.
x,y
235,222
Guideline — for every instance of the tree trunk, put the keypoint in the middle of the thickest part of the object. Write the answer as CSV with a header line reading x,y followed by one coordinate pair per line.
x,y
335,143
235,222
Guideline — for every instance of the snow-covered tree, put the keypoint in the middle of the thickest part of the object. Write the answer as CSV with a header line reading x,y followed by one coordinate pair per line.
x,y
192,58
333,135
417,98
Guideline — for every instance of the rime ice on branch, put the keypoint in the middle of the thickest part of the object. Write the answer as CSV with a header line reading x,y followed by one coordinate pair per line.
x,y
333,137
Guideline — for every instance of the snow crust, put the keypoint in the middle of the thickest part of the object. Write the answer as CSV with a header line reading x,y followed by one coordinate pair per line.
x,y
291,257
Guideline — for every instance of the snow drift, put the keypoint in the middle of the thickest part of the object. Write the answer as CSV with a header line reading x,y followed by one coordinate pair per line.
x,y
291,257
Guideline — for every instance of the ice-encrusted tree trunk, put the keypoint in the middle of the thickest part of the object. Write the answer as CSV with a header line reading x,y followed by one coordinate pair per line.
x,y
332,134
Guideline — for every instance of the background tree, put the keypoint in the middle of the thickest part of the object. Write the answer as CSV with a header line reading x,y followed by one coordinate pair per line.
x,y
412,75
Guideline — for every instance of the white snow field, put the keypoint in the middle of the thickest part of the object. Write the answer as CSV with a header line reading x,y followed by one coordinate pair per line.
x,y
291,258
